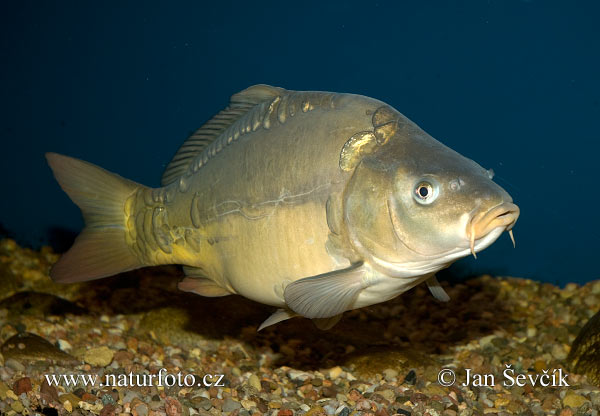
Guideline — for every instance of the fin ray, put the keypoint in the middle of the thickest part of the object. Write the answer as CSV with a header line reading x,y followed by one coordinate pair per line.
x,y
437,290
278,316
326,295
240,104
101,249
202,286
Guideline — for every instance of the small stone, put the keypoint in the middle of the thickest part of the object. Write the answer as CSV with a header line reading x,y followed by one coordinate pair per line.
x,y
566,412
64,345
501,401
48,393
316,411
531,331
411,377
344,412
3,389
590,300
108,410
11,395
539,366
94,408
22,385
254,381
574,400
335,372
229,405
285,412
487,340
88,397
139,409
328,391
388,394
69,400
330,410
130,395
559,352
17,406
317,382
248,404
390,374
354,395
14,364
99,356
172,407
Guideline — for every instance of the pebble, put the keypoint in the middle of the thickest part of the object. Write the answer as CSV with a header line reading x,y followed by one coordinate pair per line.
x,y
17,406
316,411
335,372
172,407
574,400
14,364
3,390
248,404
254,381
390,374
139,408
63,344
559,352
130,395
99,356
229,405
22,385
69,401
411,377
330,410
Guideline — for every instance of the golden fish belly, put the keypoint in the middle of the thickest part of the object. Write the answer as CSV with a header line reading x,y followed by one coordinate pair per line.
x,y
259,255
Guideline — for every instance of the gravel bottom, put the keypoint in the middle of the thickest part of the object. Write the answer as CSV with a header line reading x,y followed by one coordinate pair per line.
x,y
165,352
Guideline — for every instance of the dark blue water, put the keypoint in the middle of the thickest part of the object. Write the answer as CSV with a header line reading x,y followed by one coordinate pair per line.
x,y
514,85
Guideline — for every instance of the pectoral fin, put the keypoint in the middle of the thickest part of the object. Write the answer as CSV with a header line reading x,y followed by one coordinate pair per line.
x,y
326,295
437,290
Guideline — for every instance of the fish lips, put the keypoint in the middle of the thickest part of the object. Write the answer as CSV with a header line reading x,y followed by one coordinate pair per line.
x,y
482,223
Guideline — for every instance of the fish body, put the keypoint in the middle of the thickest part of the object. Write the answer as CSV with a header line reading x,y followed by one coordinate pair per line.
x,y
312,202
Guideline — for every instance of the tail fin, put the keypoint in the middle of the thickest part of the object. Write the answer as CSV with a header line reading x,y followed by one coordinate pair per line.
x,y
100,250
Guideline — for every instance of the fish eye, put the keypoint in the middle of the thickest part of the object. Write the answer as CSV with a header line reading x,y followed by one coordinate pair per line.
x,y
425,192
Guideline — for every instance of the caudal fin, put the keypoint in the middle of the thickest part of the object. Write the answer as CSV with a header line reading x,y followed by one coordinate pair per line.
x,y
100,250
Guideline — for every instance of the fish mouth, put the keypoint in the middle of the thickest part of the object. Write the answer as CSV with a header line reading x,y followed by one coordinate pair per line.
x,y
481,224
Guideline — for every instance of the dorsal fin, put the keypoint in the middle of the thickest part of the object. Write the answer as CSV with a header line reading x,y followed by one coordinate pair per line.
x,y
240,104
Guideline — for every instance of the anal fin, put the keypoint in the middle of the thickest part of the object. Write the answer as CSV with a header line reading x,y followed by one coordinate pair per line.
x,y
202,286
196,282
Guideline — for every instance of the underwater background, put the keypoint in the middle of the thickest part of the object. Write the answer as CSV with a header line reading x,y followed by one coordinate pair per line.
x,y
514,85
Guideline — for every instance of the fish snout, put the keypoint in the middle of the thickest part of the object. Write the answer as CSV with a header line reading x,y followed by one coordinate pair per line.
x,y
482,223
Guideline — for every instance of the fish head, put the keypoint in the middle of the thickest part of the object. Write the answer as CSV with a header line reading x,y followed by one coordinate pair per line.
x,y
413,205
